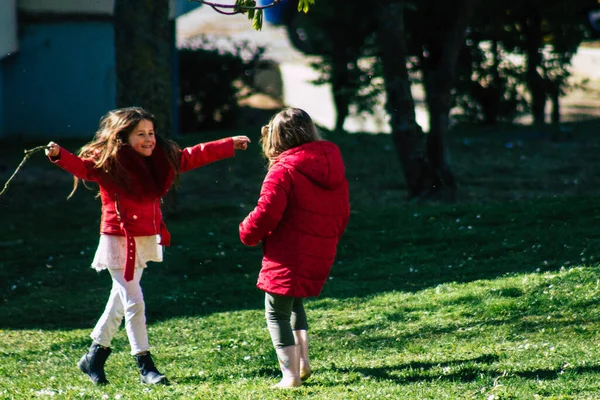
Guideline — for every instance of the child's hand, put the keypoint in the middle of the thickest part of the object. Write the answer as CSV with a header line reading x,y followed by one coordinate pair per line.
x,y
240,142
52,150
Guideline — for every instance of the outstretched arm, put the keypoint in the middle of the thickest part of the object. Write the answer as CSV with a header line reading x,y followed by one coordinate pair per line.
x,y
270,208
206,153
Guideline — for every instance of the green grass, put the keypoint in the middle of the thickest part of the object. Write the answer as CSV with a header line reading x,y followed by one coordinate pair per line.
x,y
495,297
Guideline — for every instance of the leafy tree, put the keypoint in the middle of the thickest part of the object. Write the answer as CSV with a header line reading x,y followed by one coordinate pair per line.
x,y
562,26
455,47
546,34
490,84
337,31
348,35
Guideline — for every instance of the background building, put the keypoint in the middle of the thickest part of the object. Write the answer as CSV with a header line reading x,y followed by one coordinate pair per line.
x,y
57,65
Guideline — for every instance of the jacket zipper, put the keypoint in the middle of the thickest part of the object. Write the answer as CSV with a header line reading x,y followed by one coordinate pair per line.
x,y
117,207
154,216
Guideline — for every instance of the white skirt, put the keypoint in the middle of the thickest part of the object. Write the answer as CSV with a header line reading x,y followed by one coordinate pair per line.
x,y
112,250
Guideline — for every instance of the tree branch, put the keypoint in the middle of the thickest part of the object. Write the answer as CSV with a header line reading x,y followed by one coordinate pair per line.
x,y
239,9
28,154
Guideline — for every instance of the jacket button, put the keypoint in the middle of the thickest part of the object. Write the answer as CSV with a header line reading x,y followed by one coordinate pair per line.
x,y
135,217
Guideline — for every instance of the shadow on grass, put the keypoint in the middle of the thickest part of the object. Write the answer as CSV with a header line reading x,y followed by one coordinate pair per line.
x,y
273,373
208,271
467,372
368,337
421,371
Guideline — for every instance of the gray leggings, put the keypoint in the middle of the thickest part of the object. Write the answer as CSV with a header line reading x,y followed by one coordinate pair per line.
x,y
284,314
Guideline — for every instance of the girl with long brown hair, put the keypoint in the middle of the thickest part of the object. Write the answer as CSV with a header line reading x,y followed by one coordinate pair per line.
x,y
134,168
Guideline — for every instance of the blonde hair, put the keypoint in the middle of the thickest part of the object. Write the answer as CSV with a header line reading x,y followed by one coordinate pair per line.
x,y
289,128
115,128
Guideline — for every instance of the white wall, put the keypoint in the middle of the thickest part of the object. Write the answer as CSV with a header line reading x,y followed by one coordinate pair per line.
x,y
8,28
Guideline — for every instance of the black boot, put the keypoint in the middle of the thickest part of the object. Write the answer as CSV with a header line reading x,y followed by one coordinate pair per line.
x,y
92,363
148,371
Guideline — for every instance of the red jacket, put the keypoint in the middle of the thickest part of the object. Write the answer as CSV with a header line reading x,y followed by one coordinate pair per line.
x,y
302,212
135,210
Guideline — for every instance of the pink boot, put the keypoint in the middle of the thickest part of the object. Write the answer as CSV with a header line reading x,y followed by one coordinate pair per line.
x,y
301,337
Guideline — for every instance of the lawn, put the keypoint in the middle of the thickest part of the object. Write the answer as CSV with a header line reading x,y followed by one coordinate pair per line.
x,y
495,297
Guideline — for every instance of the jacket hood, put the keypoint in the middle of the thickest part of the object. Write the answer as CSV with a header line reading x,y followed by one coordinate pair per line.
x,y
320,161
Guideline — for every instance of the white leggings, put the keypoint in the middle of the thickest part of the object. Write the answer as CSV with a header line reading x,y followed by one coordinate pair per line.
x,y
126,300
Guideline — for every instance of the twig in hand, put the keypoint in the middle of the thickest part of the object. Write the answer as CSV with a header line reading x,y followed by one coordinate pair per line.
x,y
28,154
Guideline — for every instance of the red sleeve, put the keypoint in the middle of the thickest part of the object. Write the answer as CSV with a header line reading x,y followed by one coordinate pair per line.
x,y
270,208
81,168
205,153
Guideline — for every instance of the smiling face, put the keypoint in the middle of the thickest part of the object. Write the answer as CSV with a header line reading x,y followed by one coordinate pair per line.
x,y
142,138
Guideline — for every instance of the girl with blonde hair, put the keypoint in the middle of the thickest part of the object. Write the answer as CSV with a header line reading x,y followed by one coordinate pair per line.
x,y
302,212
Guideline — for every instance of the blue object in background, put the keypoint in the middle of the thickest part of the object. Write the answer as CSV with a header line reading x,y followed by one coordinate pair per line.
x,y
61,81
1,102
273,15
594,17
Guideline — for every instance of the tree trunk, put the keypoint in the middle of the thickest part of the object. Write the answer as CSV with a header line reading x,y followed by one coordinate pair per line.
x,y
340,85
495,90
535,82
555,108
344,74
439,80
143,41
406,133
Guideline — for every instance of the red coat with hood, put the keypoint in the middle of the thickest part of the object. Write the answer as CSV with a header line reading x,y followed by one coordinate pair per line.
x,y
135,210
301,214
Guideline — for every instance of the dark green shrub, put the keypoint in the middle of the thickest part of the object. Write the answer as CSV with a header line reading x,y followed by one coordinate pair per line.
x,y
211,82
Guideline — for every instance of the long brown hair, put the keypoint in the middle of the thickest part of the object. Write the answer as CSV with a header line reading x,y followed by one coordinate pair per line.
x,y
289,128
112,135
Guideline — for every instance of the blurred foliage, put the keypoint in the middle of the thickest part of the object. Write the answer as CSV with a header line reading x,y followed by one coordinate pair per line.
x,y
517,56
490,87
338,32
212,80
513,48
